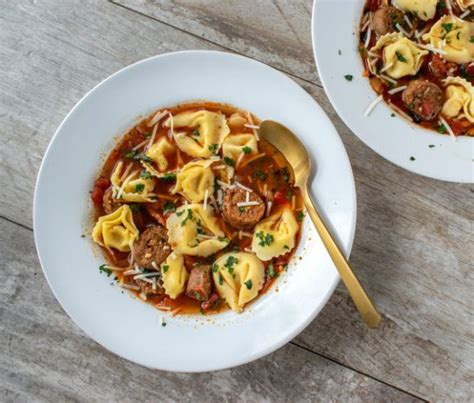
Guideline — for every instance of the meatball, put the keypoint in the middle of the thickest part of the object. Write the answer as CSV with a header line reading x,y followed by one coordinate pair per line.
x,y
385,19
241,217
199,283
423,98
151,247
109,203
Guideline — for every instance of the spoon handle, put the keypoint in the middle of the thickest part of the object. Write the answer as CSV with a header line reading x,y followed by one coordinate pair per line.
x,y
364,305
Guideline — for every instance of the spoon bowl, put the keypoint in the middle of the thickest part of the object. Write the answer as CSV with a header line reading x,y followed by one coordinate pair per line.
x,y
298,158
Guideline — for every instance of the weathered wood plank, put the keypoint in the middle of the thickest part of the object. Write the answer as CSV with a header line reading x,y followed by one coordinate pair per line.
x,y
410,246
44,356
276,32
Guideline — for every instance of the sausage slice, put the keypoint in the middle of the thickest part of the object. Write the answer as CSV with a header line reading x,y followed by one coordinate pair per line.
x,y
199,283
151,247
423,98
386,18
241,217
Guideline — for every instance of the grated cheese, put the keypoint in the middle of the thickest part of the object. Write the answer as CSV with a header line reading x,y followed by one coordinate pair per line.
x,y
248,204
367,37
386,67
243,187
247,197
129,286
246,162
408,21
400,112
373,104
138,146
464,14
219,196
145,275
213,201
387,78
158,116
255,132
239,160
269,207
431,48
224,184
206,195
400,29
448,128
153,135
218,167
398,89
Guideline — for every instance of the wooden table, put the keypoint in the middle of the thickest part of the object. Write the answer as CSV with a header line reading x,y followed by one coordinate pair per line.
x,y
413,246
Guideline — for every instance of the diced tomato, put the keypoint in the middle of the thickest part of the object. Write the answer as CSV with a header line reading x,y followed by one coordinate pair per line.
x,y
280,198
427,108
100,186
457,127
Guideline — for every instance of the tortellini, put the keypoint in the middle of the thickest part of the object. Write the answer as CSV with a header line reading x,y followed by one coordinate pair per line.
x,y
236,145
208,131
116,230
194,179
401,56
459,99
159,153
195,231
465,4
453,37
238,278
174,275
132,188
275,235
424,9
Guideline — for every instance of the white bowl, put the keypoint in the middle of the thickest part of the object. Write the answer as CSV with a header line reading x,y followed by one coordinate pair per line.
x,y
129,327
334,31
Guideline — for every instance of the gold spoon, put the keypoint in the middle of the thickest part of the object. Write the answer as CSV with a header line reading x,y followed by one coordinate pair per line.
x,y
297,156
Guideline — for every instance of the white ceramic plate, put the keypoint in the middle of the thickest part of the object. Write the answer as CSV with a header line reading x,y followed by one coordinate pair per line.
x,y
334,29
131,328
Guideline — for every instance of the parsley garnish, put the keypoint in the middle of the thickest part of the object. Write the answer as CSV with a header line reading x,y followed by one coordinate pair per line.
x,y
412,158
464,73
401,57
215,267
221,279
229,161
145,175
188,217
169,206
261,175
135,207
131,154
286,247
139,187
179,213
299,216
265,239
231,260
248,284
441,129
169,177
165,268
431,146
471,39
349,77
246,150
103,268
271,271
213,148
448,27
195,132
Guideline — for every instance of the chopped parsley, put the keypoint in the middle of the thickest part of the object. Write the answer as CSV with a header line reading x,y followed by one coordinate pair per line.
x,y
299,216
431,146
448,27
261,175
271,271
169,177
213,148
221,279
163,323
139,187
179,213
441,129
131,154
471,39
195,132
339,52
412,158
188,217
145,175
289,195
392,115
248,284
165,268
242,209
169,206
229,161
265,239
246,150
400,57
285,174
215,267
464,73
229,264
286,247
349,77
103,268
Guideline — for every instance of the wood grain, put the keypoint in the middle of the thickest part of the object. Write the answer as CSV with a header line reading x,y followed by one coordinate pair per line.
x,y
411,249
44,356
275,32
